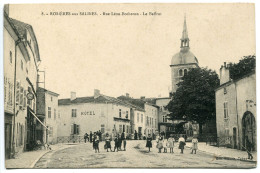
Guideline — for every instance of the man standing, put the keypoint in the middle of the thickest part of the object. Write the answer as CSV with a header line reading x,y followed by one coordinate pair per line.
x,y
86,137
123,137
91,135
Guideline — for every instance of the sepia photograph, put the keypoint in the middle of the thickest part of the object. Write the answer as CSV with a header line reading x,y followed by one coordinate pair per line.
x,y
129,85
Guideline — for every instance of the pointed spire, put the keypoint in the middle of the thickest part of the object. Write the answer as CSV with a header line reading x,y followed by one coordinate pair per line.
x,y
185,31
185,39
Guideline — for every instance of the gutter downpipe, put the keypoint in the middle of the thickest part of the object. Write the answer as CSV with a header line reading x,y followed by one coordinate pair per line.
x,y
238,136
15,63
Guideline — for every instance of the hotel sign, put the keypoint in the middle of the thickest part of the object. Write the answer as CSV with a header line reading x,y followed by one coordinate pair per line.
x,y
88,113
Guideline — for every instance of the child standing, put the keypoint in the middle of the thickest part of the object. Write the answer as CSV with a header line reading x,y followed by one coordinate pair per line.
x,y
171,143
194,144
149,142
165,144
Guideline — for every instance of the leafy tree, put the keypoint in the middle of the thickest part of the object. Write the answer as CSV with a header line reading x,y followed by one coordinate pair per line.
x,y
245,66
194,99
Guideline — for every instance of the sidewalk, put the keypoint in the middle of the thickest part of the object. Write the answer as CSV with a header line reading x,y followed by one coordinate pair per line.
x,y
29,158
223,152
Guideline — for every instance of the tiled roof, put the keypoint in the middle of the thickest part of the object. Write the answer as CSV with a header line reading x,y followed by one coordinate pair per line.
x,y
21,28
91,99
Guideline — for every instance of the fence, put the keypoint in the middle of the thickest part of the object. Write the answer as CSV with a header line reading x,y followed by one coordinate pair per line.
x,y
70,139
226,141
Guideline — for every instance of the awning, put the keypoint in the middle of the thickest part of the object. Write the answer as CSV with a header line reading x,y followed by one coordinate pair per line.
x,y
38,119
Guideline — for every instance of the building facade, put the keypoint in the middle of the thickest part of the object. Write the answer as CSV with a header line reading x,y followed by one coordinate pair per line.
x,y
236,110
164,124
151,116
47,112
21,58
90,114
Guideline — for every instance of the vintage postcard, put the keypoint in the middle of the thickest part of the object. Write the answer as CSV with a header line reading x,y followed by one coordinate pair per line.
x,y
130,85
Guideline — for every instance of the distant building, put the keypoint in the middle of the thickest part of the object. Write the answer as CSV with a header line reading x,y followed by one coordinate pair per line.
x,y
47,112
165,125
80,115
146,121
236,110
21,58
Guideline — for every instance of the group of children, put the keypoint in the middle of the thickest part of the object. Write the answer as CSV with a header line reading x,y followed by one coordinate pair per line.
x,y
118,141
163,143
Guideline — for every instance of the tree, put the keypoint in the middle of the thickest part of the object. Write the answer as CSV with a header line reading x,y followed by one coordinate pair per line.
x,y
194,99
245,66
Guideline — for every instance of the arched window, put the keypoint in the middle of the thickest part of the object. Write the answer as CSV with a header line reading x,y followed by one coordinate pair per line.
x,y
180,72
185,71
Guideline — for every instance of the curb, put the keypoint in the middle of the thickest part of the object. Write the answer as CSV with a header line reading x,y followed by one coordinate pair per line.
x,y
225,157
36,160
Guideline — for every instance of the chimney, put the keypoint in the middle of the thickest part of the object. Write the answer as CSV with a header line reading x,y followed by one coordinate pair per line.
x,y
72,95
127,95
224,74
96,93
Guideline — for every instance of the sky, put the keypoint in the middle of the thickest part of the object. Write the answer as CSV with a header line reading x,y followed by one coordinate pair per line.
x,y
132,54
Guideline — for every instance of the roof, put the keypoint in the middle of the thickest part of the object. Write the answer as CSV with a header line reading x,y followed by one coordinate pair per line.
x,y
21,27
184,57
92,99
48,91
138,103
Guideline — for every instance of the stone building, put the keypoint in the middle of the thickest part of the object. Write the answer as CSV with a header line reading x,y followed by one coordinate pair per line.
x,y
80,115
21,58
145,120
47,112
236,110
164,125
182,61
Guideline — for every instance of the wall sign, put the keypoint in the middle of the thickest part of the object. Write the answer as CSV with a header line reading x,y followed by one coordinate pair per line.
x,y
88,113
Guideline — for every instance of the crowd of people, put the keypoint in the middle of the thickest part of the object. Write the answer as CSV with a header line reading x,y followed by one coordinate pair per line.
x,y
163,143
117,142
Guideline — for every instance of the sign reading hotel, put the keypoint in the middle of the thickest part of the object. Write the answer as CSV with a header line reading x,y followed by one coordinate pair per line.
x,y
88,113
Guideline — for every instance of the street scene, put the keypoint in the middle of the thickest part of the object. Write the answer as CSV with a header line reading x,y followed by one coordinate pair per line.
x,y
118,86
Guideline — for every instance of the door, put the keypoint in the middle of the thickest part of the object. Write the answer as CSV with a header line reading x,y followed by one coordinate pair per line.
x,y
235,137
8,128
249,128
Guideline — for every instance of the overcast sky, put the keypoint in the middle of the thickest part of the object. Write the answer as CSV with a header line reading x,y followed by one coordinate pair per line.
x,y
132,54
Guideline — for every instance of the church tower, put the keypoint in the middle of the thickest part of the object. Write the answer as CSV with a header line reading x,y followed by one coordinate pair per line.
x,y
183,60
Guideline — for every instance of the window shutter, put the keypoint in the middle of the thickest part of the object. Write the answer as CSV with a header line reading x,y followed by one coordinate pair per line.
x,y
78,129
17,92
24,96
72,129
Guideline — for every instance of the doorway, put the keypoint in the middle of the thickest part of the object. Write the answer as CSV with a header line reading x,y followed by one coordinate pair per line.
x,y
235,137
248,129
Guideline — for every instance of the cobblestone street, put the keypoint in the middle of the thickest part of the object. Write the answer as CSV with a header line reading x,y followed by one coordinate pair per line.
x,y
136,155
